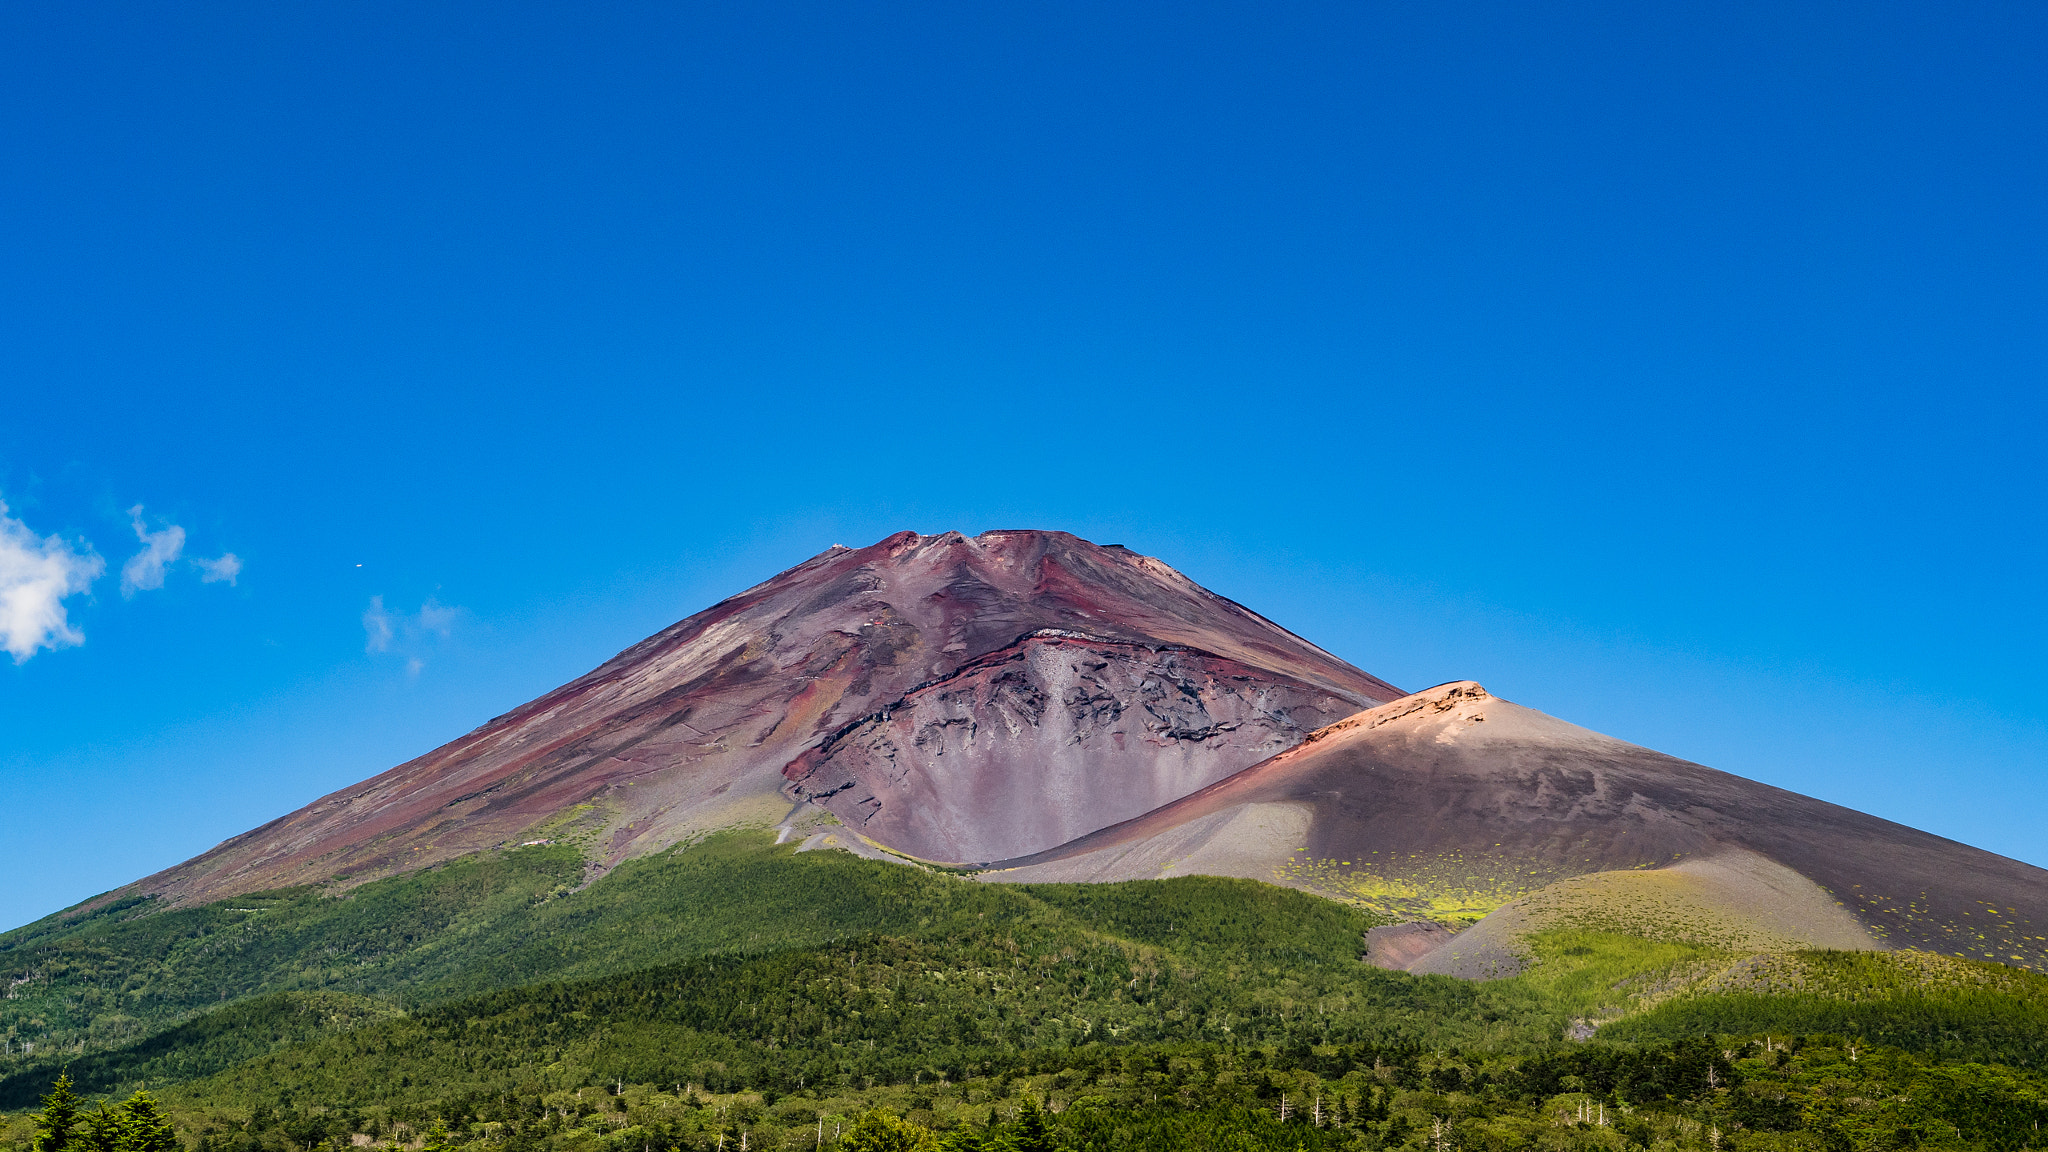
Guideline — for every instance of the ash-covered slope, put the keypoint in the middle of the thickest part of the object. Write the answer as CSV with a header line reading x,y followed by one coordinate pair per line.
x,y
1003,669
1455,786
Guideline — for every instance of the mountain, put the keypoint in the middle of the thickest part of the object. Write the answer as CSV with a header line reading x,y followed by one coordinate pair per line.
x,y
1064,765
949,696
1035,707
1453,799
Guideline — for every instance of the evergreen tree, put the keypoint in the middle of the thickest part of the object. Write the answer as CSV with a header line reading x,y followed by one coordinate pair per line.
x,y
968,1137
98,1131
881,1132
57,1123
1031,1133
145,1128
437,1139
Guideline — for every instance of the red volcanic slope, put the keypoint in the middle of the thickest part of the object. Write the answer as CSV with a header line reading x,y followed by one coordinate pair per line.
x,y
1161,687
1016,750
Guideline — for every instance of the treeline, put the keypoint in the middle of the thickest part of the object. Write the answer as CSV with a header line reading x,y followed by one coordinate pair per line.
x,y
1705,1094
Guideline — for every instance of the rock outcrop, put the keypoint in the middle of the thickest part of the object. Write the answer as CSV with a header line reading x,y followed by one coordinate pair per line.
x,y
1051,738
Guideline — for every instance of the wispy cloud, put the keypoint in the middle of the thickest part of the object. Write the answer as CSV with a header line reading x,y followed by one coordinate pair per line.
x,y
37,574
437,618
144,571
377,625
226,568
408,633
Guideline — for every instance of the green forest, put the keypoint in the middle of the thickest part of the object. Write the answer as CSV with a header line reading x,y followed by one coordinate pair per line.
x,y
736,993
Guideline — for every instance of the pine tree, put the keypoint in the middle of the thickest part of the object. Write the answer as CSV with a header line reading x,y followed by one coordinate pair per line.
x,y
145,1128
437,1139
98,1131
1031,1133
880,1132
57,1123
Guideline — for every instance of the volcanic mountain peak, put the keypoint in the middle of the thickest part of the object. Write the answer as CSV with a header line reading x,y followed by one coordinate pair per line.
x,y
1087,713
1136,684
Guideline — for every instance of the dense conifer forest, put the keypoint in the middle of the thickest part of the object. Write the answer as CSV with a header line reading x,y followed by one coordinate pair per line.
x,y
737,994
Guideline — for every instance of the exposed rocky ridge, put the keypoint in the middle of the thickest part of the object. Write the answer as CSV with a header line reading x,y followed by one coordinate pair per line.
x,y
1457,770
691,729
1055,736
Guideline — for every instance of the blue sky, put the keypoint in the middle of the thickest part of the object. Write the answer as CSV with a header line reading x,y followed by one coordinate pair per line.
x,y
1672,368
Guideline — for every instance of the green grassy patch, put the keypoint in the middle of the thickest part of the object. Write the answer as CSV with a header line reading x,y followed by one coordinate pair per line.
x,y
1585,973
1947,1007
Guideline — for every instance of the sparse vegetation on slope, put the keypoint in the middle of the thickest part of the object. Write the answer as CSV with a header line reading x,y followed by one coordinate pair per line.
x,y
1451,887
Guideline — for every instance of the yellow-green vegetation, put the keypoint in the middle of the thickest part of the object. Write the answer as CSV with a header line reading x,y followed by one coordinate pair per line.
x,y
1874,976
1659,904
1595,975
1454,888
575,824
1983,931
1637,988
1959,1009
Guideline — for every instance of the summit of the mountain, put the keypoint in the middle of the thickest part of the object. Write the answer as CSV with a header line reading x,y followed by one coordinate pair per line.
x,y
964,697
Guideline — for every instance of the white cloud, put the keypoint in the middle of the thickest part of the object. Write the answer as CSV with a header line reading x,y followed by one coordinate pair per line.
x,y
377,623
145,570
226,568
437,618
37,573
409,634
